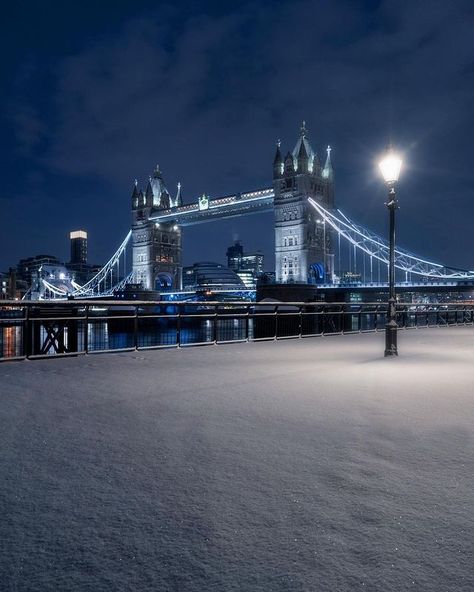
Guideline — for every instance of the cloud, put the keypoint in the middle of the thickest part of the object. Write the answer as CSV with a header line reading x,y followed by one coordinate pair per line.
x,y
30,130
207,94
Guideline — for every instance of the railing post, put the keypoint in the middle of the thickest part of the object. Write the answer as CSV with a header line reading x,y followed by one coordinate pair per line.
x,y
247,323
86,330
301,320
178,325
276,321
27,333
135,328
214,325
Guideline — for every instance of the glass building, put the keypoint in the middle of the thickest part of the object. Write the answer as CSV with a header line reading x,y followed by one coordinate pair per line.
x,y
248,266
210,276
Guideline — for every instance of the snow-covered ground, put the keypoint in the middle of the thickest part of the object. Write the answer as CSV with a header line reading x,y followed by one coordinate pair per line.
x,y
310,464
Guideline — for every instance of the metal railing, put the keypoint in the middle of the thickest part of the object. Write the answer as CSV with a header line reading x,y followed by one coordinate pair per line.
x,y
43,329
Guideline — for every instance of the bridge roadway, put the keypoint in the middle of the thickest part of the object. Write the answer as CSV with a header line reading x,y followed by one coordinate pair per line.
x,y
240,204
304,465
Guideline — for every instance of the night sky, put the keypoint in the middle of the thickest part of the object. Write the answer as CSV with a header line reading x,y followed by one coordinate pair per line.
x,y
95,94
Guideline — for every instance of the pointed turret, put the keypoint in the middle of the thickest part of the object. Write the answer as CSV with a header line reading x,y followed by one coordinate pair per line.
x,y
278,162
316,164
158,190
149,193
135,195
303,154
135,189
302,159
328,172
164,200
289,164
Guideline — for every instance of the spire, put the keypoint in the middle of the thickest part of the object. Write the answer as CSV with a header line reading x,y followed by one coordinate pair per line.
x,y
303,130
135,196
302,158
328,172
149,193
157,173
303,151
135,192
278,159
179,199
277,162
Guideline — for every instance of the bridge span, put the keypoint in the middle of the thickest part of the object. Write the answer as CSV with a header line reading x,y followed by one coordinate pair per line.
x,y
208,210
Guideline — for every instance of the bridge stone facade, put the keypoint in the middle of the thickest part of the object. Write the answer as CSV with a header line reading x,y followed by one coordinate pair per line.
x,y
156,246
303,246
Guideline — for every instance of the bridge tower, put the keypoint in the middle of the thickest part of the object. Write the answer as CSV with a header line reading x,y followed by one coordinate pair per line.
x,y
156,246
303,247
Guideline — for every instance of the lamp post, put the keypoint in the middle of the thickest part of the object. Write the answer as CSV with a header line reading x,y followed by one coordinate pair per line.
x,y
390,167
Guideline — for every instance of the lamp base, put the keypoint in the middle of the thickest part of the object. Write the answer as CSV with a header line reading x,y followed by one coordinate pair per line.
x,y
391,333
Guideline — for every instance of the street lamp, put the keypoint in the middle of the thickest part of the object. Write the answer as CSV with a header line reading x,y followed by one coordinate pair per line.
x,y
390,167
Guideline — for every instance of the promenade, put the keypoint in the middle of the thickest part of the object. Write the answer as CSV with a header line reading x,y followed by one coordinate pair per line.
x,y
297,465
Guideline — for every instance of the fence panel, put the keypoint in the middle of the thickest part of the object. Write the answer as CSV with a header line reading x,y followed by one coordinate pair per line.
x,y
35,329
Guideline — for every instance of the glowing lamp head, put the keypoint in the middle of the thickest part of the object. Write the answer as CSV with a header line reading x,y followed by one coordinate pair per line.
x,y
390,166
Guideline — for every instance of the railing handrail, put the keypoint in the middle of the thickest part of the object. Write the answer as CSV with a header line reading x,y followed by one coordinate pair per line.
x,y
99,303
41,329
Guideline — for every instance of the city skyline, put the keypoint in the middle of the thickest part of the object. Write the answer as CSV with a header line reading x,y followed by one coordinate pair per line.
x,y
88,112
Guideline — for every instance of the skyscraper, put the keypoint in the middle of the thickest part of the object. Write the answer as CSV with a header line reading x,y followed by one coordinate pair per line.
x,y
234,255
78,247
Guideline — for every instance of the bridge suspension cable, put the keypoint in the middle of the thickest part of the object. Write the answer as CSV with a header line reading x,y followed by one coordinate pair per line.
x,y
376,247
98,284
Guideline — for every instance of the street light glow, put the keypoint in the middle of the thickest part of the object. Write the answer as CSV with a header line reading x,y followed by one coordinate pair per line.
x,y
390,166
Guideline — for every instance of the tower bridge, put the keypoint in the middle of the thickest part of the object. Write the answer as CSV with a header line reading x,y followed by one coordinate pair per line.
x,y
302,248
314,240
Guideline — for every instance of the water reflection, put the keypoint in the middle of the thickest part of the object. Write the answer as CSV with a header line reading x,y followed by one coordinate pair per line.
x,y
11,342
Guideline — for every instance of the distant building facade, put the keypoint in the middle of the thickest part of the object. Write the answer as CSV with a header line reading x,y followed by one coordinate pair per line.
x,y
248,266
27,269
4,291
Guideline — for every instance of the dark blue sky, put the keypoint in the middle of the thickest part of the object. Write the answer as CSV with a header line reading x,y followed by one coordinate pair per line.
x,y
95,94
